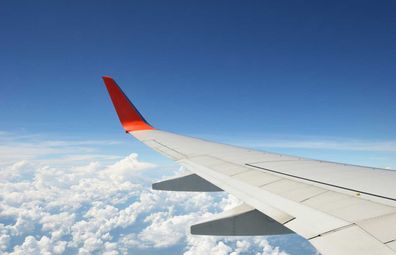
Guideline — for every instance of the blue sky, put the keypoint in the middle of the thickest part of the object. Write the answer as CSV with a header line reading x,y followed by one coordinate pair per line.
x,y
320,68
311,78
220,69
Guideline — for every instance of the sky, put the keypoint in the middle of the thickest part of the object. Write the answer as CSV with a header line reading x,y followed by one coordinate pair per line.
x,y
309,78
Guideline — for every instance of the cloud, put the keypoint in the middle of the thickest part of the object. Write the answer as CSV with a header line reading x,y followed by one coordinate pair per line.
x,y
125,168
106,209
42,246
38,148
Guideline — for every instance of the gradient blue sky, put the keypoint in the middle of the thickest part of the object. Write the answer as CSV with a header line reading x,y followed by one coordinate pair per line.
x,y
228,70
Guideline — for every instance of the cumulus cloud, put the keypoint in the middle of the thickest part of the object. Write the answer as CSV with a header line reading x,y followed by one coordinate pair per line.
x,y
106,209
126,168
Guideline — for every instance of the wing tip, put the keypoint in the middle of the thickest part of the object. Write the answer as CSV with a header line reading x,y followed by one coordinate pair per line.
x,y
106,77
129,116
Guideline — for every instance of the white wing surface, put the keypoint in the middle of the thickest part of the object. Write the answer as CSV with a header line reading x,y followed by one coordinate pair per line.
x,y
340,208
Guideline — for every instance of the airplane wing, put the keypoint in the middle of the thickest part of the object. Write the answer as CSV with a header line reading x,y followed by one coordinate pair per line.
x,y
340,208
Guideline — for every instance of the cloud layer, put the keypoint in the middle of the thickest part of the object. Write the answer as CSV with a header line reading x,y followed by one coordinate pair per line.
x,y
106,209
40,148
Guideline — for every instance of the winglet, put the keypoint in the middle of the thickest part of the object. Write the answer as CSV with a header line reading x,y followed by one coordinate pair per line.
x,y
129,116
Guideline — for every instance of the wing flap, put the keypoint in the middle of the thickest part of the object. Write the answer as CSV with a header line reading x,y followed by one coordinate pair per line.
x,y
392,245
383,227
350,208
350,240
293,190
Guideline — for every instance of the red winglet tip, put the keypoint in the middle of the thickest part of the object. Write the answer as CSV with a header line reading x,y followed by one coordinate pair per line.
x,y
105,77
129,116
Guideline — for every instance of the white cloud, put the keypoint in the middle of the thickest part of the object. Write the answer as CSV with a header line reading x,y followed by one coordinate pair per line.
x,y
42,246
165,229
205,245
38,148
125,168
105,209
267,249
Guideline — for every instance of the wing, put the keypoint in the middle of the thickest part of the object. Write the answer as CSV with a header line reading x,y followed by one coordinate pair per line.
x,y
339,208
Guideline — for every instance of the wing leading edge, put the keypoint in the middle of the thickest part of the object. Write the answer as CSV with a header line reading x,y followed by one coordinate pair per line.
x,y
339,208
